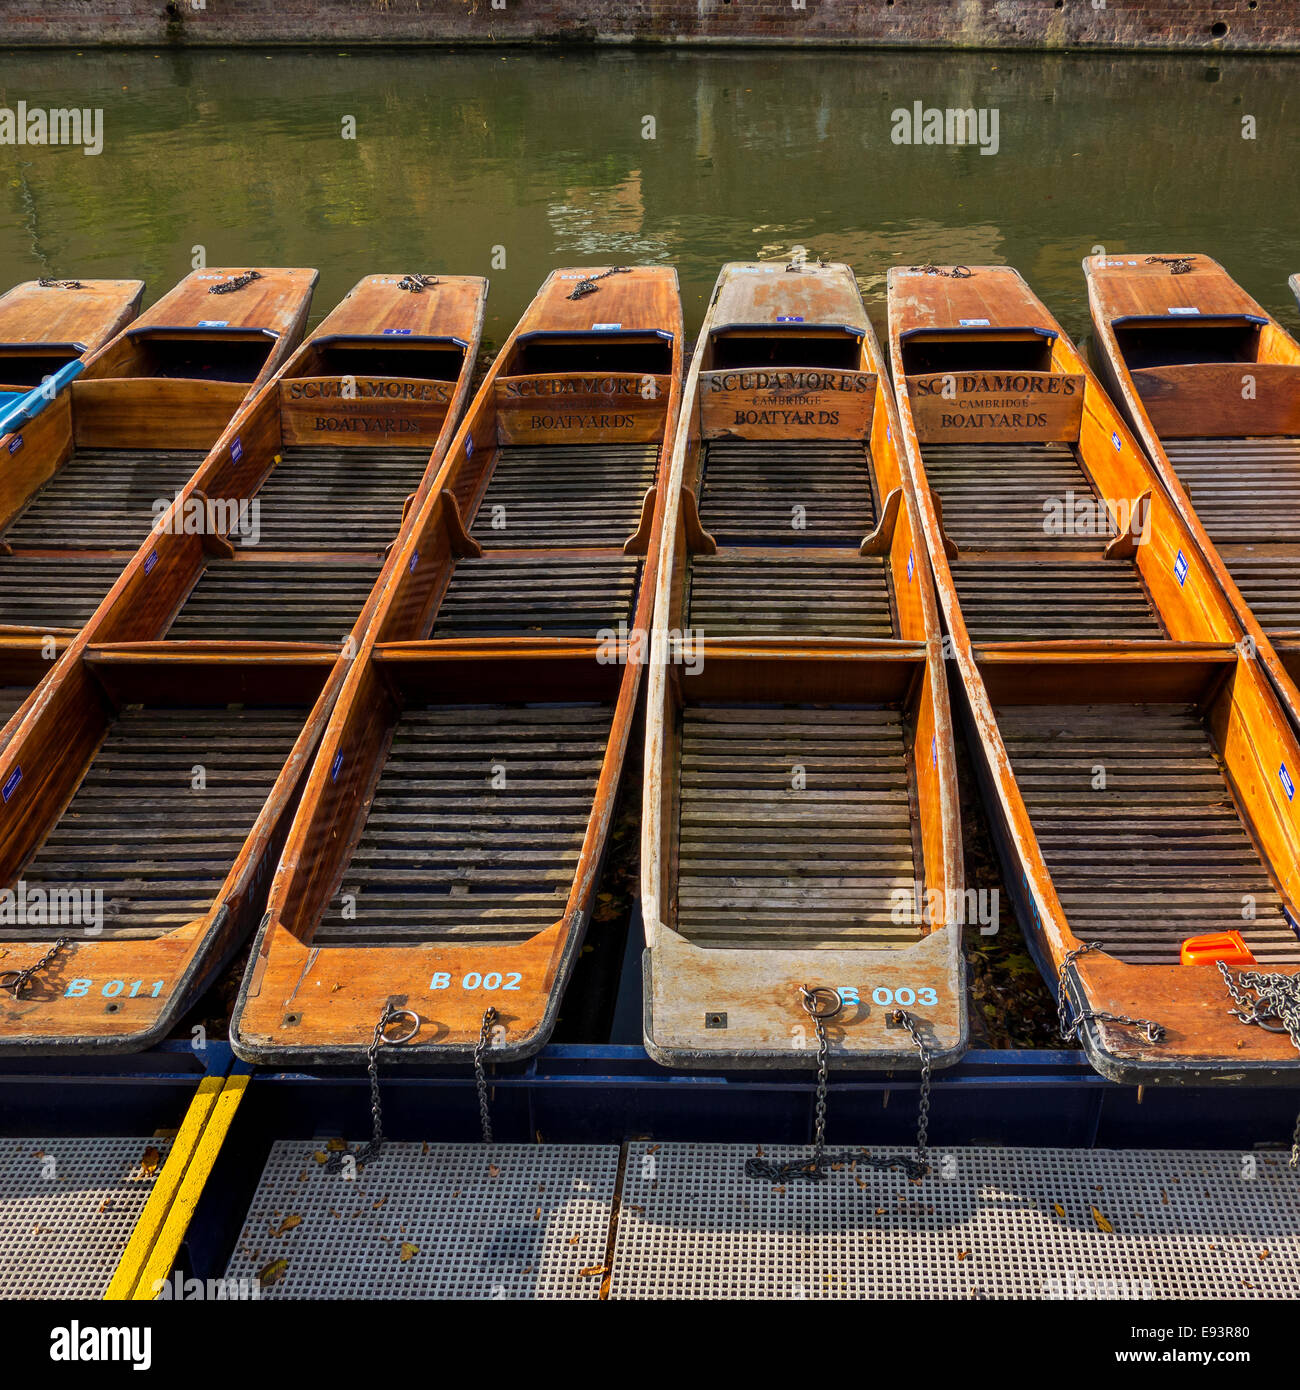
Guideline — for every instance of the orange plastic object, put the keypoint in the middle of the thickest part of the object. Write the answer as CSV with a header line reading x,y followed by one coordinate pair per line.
x,y
1226,946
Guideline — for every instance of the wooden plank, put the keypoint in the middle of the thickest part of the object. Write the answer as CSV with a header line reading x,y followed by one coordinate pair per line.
x,y
965,407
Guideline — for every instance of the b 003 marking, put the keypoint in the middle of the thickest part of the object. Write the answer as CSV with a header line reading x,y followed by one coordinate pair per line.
x,y
491,981
903,995
110,989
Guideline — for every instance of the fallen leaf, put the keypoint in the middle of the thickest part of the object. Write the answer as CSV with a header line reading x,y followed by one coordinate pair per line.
x,y
493,1171
321,1157
408,1251
1264,1254
289,1222
374,1206
573,1239
1102,1223
1164,1197
335,1146
272,1272
961,1254
587,1271
1059,1210
152,1158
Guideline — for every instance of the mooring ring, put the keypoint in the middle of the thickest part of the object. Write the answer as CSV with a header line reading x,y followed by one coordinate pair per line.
x,y
395,1016
822,1001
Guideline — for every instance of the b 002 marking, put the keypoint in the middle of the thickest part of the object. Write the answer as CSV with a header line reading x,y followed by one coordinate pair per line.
x,y
110,989
490,982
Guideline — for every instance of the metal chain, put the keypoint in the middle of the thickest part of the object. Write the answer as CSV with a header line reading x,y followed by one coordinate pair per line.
x,y
47,284
237,283
1155,1032
16,981
590,286
1178,265
1277,997
371,1150
480,1078
416,283
901,1016
815,1167
958,272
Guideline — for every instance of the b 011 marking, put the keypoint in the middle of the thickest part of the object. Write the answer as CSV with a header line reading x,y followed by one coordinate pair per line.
x,y
490,982
110,989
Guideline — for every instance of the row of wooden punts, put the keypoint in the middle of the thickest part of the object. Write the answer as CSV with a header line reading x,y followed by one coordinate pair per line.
x,y
299,643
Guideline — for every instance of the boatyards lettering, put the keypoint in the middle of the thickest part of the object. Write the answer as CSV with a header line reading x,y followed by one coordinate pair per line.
x,y
951,407
786,404
56,126
364,424
369,388
581,422
931,125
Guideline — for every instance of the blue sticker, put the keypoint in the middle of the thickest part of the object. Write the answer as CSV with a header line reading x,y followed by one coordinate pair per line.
x,y
1180,568
606,327
889,432
336,767
934,749
237,450
150,561
911,565
973,323
1183,309
1117,442
15,443
397,331
11,783
789,318
214,323
469,447
1288,785
415,560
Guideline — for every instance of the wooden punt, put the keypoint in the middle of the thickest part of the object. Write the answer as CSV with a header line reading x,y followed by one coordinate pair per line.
x,y
160,762
1137,767
1210,382
445,854
46,325
1294,282
800,824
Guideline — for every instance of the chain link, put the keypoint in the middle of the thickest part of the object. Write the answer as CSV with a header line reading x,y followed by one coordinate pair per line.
x,y
417,283
590,285
958,272
480,1076
815,1167
1155,1032
47,284
1178,265
370,1151
1276,997
16,981
237,283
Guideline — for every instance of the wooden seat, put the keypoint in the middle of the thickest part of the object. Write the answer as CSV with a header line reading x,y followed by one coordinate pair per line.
x,y
763,864
475,828
1054,601
1158,854
53,591
791,593
550,596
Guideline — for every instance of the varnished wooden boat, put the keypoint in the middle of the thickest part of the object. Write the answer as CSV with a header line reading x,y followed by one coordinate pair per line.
x,y
800,826
160,762
445,854
1137,767
48,325
1294,282
47,330
1210,382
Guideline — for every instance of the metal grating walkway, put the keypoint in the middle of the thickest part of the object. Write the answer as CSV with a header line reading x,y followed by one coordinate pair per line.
x,y
68,1208
431,1221
524,1221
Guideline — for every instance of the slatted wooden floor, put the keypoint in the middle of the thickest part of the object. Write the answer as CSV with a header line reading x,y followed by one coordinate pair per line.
x,y
572,495
1054,600
791,594
53,591
139,831
275,601
1160,852
551,596
102,499
795,827
786,492
1246,493
11,696
994,494
333,497
476,825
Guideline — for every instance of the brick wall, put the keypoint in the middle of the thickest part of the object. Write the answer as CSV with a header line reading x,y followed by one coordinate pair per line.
x,y
1212,25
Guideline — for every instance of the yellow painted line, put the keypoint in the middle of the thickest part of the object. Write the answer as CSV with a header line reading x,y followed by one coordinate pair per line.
x,y
165,1188
161,1258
